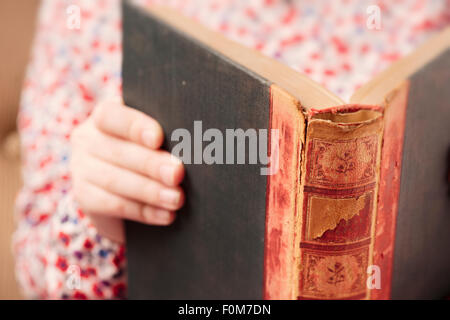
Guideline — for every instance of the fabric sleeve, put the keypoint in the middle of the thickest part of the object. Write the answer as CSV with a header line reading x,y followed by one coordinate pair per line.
x,y
64,257
59,254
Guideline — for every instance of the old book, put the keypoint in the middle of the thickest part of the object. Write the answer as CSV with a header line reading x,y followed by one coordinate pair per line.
x,y
355,201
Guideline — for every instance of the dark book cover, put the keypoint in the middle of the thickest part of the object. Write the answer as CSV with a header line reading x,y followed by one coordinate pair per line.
x,y
175,80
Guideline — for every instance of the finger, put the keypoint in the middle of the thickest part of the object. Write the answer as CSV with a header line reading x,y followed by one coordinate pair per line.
x,y
157,164
108,226
127,123
130,185
97,201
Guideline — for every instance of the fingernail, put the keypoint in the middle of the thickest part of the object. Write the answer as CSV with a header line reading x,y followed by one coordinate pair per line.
x,y
169,196
167,173
148,138
157,216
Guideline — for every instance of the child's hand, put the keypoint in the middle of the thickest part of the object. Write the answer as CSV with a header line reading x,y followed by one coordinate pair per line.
x,y
118,171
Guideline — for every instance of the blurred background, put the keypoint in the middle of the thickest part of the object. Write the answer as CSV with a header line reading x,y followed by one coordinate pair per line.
x,y
17,21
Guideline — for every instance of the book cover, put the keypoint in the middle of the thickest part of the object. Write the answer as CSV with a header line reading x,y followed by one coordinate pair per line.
x,y
350,190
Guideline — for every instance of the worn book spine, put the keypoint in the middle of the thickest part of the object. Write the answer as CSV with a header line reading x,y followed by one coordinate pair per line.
x,y
287,118
389,188
338,202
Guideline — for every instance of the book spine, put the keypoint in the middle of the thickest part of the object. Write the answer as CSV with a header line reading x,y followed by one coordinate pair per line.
x,y
389,189
337,202
287,118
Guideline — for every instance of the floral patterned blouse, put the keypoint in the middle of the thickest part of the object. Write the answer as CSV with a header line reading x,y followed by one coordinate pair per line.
x,y
59,254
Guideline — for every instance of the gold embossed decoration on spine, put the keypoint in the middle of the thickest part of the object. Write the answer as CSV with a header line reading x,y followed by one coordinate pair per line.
x,y
338,203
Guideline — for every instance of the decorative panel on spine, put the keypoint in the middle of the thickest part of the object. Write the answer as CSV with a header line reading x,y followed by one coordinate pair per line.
x,y
339,197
